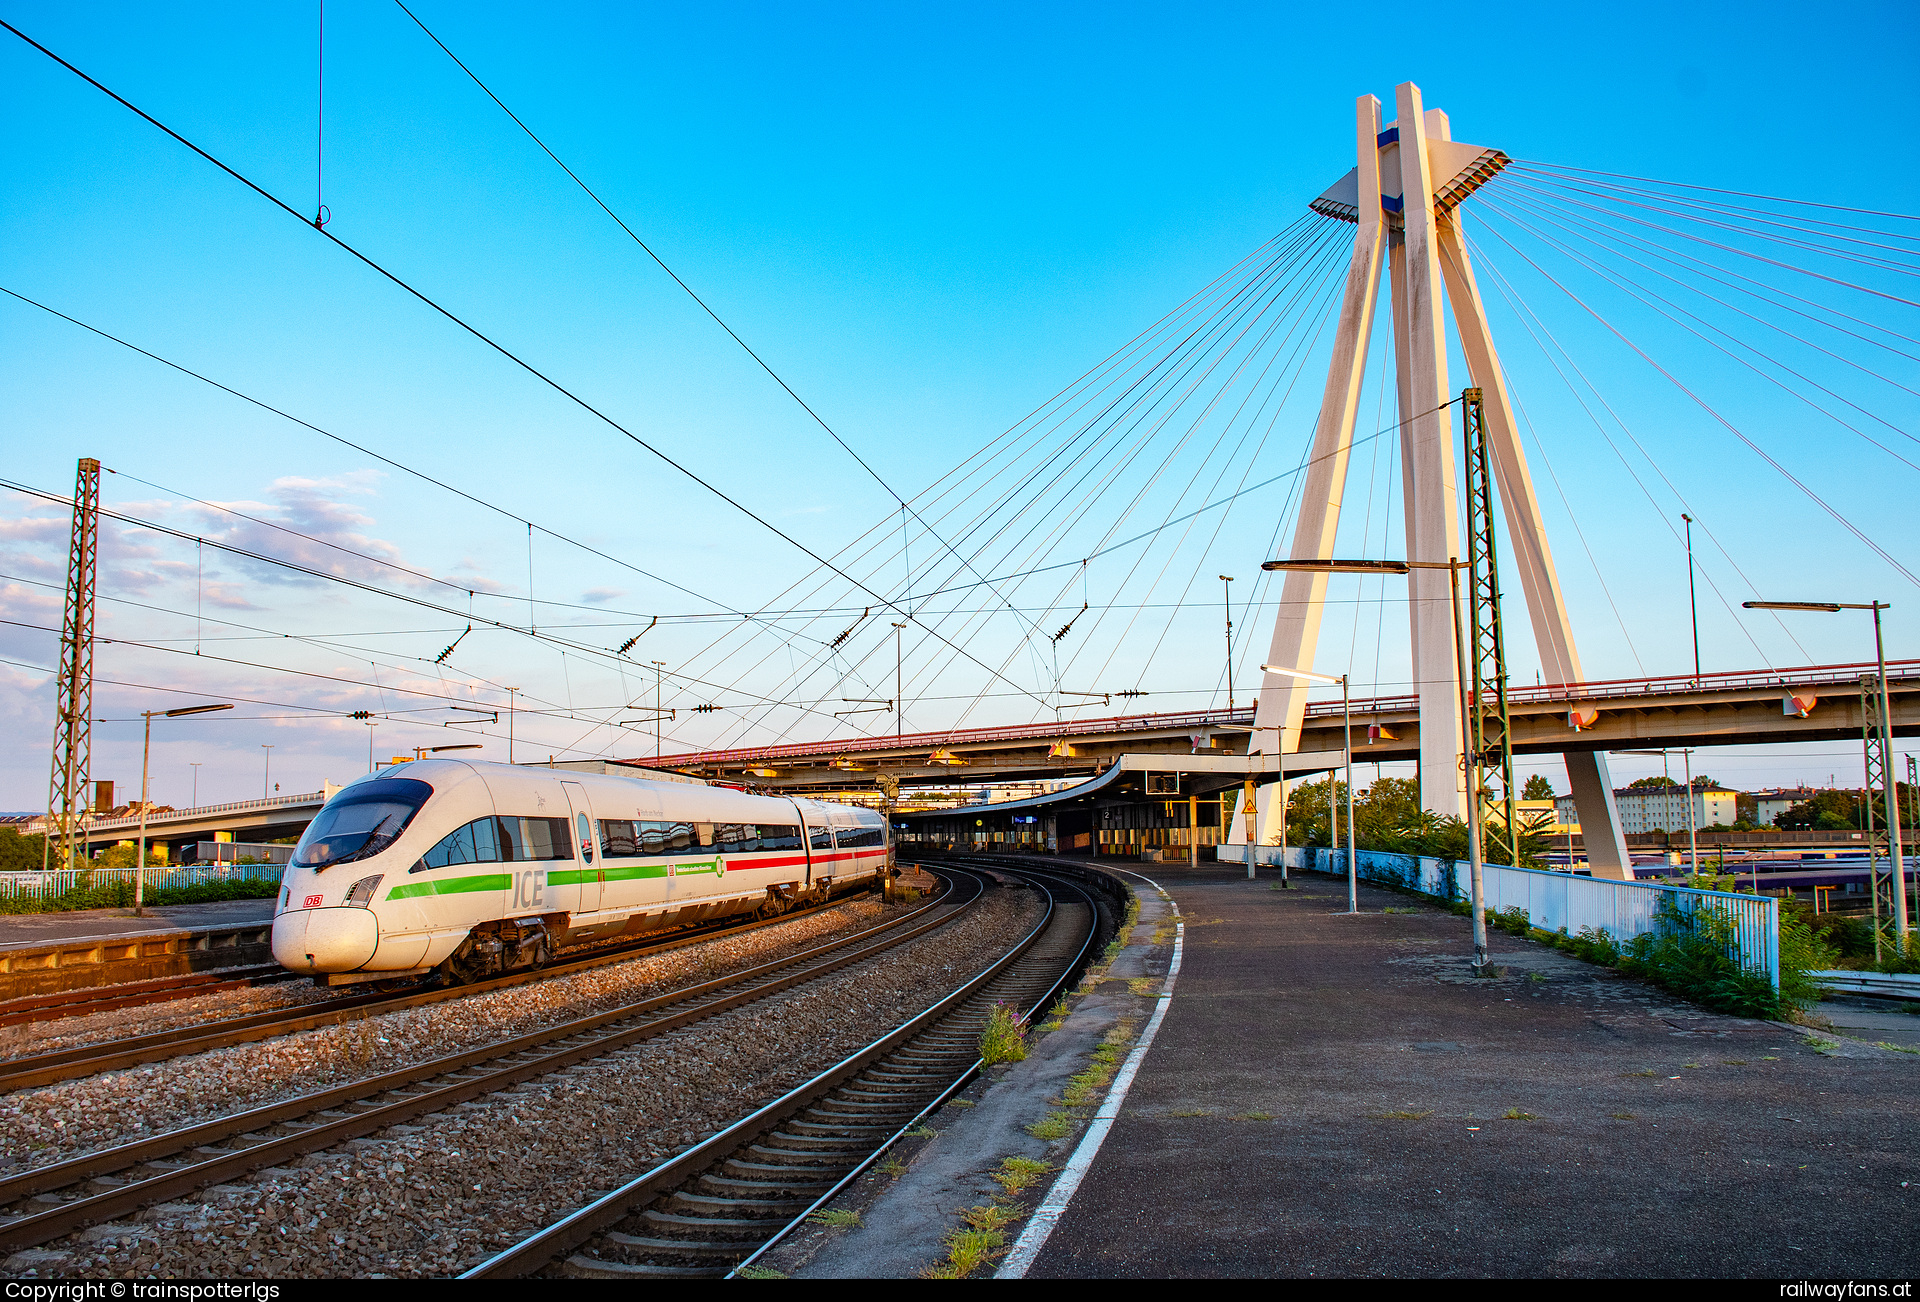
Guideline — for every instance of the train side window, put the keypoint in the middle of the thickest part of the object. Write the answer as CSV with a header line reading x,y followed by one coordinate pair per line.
x,y
585,830
617,836
474,843
779,836
820,838
528,839
666,838
857,837
736,838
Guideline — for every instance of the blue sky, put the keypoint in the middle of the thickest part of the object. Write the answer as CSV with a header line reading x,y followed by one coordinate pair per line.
x,y
928,220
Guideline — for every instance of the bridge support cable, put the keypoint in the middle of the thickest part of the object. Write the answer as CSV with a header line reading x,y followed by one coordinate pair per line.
x,y
886,561
1542,336
1136,402
1716,416
1673,312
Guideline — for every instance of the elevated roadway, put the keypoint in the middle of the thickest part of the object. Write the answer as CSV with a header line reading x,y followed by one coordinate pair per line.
x,y
1809,703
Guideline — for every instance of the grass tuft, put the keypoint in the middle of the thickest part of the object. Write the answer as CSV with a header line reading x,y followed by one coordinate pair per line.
x,y
1056,1125
893,1165
1623,1116
1251,1116
1515,1114
961,1103
759,1272
1017,1173
1404,1115
1648,1071
835,1218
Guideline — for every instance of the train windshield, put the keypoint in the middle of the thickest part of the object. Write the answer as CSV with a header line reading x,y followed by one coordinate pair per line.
x,y
361,821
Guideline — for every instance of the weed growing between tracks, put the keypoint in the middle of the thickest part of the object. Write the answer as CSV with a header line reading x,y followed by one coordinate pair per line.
x,y
1004,1037
983,1236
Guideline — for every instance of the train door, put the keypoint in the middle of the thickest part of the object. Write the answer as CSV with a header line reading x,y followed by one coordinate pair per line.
x,y
586,852
800,817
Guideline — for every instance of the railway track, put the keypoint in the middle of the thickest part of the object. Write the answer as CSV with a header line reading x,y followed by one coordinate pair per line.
x,y
53,1201
115,1055
135,994
725,1200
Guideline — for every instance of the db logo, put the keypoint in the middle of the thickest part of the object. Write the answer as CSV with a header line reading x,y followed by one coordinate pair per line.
x,y
313,902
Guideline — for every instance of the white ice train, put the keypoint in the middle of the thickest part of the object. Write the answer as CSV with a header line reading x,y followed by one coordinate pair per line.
x,y
477,869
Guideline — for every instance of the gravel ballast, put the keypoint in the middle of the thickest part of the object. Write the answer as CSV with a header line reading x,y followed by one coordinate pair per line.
x,y
437,1197
70,1118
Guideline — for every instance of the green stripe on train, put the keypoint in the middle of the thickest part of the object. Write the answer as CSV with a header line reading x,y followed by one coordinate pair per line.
x,y
632,872
452,886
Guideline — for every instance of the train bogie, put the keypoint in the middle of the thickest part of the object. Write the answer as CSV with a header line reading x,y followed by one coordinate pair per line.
x,y
478,869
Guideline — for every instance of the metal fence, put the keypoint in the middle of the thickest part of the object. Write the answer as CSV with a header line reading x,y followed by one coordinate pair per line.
x,y
1557,901
48,885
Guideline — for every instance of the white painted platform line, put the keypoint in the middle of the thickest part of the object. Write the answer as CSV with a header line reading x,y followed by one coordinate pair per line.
x,y
1054,1205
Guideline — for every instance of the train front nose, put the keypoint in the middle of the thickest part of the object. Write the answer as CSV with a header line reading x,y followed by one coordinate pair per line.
x,y
325,940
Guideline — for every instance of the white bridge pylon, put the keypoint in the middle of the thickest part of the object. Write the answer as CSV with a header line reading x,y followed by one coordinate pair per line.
x,y
1404,196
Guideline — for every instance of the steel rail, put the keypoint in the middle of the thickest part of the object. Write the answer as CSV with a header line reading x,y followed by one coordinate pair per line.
x,y
923,1060
959,1083
112,1055
182,1160
133,994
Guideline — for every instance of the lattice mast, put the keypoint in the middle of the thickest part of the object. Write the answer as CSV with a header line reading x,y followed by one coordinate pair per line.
x,y
67,804
1886,857
1490,727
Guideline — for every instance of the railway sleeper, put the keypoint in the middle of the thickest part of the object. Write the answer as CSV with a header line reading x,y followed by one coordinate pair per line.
x,y
714,1205
739,1227
680,1247
734,1186
582,1267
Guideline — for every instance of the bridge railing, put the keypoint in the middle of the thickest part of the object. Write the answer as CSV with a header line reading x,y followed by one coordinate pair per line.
x,y
50,885
1845,675
1558,901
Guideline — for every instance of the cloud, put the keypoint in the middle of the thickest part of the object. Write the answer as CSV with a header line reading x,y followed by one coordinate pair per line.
x,y
597,595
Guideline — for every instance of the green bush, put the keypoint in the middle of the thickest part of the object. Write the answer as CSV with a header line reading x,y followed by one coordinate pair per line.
x,y
1592,945
119,895
1692,955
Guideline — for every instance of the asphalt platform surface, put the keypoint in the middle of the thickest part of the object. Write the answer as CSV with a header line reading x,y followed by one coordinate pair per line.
x,y
45,928
1335,1096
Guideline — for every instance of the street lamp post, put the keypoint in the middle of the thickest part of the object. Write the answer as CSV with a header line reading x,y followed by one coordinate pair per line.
x,y
146,749
1482,966
1346,717
1693,606
266,774
1227,589
899,690
196,785
1896,852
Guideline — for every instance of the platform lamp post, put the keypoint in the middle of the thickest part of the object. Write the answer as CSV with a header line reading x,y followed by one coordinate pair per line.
x,y
1883,742
1482,964
1346,717
146,750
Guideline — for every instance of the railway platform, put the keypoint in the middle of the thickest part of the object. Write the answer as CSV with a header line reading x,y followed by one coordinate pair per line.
x,y
43,953
1334,1095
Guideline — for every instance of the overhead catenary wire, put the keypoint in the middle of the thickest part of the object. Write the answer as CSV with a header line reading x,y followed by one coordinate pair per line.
x,y
477,333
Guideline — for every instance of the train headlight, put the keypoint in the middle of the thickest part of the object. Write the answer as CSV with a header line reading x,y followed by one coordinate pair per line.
x,y
360,894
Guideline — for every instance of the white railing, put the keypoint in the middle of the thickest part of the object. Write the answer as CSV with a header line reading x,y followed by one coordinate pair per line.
x,y
49,885
1557,901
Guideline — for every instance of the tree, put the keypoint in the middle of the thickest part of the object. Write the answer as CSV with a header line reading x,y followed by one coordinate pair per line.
x,y
1537,788
1653,782
1826,812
